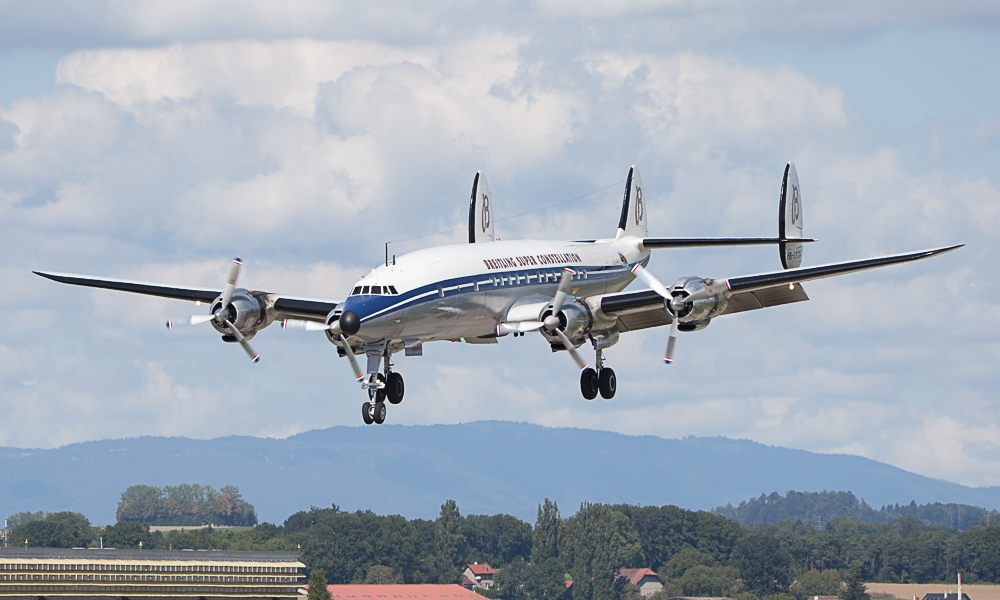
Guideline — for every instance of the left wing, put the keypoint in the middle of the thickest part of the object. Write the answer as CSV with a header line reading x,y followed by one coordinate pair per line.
x,y
647,308
286,307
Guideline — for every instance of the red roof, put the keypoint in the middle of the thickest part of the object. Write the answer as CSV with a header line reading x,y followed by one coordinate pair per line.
x,y
482,569
634,576
422,591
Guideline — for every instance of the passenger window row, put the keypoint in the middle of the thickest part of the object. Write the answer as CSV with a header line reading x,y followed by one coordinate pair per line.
x,y
540,277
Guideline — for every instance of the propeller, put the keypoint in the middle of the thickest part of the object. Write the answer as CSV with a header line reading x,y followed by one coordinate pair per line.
x,y
552,322
675,304
221,316
307,325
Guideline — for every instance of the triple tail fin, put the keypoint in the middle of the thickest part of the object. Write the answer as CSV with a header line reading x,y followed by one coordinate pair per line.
x,y
790,219
480,211
633,219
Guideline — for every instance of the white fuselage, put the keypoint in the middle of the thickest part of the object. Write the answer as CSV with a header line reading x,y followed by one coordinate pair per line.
x,y
465,290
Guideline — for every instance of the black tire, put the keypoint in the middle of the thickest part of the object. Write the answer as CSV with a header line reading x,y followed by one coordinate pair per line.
x,y
395,388
608,383
379,413
366,413
380,394
589,383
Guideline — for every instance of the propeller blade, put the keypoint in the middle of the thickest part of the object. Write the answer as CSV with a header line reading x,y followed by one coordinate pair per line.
x,y
519,327
234,274
562,290
653,283
572,351
195,320
254,357
668,356
307,325
350,356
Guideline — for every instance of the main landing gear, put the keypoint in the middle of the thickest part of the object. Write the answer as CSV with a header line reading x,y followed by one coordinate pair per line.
x,y
602,379
387,385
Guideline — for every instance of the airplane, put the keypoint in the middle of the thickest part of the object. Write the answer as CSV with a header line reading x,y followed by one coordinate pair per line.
x,y
570,292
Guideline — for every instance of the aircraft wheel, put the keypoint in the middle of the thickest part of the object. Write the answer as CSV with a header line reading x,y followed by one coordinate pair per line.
x,y
608,383
379,413
367,413
589,383
395,388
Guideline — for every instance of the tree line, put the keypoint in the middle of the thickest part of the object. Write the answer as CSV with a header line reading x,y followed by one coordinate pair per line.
x,y
696,553
817,508
185,504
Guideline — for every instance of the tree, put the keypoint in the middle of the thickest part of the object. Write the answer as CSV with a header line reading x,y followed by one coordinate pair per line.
x,y
382,575
596,542
545,538
762,563
126,535
16,520
56,530
853,588
816,583
449,542
707,582
682,561
317,586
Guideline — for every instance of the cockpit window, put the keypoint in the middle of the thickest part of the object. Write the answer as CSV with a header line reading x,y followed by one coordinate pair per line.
x,y
393,290
364,290
376,290
356,291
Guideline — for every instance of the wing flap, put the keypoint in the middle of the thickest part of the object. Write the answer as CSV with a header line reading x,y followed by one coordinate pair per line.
x,y
764,298
653,317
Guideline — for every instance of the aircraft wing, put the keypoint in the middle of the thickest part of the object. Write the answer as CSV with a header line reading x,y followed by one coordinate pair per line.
x,y
646,308
285,306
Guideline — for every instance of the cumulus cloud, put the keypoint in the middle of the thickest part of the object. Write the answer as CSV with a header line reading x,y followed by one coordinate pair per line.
x,y
304,154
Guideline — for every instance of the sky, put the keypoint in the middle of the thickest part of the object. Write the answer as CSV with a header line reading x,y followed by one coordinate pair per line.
x,y
156,141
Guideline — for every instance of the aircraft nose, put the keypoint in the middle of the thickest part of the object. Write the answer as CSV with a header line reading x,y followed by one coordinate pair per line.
x,y
350,323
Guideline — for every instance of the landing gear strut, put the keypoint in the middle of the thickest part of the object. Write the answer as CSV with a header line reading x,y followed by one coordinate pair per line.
x,y
601,380
380,386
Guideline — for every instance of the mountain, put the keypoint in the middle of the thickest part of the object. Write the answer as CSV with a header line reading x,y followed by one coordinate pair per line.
x,y
488,467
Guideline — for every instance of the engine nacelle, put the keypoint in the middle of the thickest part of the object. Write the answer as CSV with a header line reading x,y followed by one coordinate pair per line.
x,y
696,314
248,311
574,320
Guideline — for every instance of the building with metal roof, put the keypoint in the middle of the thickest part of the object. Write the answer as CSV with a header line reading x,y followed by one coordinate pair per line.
x,y
93,573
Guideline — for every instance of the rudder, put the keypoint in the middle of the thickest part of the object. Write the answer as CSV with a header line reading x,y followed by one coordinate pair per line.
x,y
633,219
790,219
480,211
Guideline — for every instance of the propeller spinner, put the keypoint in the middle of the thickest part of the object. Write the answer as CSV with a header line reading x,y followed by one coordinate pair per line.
x,y
222,316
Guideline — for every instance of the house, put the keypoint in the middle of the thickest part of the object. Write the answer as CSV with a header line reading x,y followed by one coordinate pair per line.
x,y
478,576
948,596
648,581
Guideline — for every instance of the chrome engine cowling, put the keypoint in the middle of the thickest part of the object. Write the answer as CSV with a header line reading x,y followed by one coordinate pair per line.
x,y
697,314
248,311
575,321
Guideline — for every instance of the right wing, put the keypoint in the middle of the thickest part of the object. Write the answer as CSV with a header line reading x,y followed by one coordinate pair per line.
x,y
286,307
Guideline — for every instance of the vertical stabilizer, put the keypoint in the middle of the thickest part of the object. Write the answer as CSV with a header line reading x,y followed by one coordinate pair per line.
x,y
480,211
633,219
790,219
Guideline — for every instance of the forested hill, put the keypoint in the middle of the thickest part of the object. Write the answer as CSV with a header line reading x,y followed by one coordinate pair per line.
x,y
818,508
487,467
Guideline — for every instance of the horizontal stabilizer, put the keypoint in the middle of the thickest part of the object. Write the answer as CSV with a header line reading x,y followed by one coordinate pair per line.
x,y
654,243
